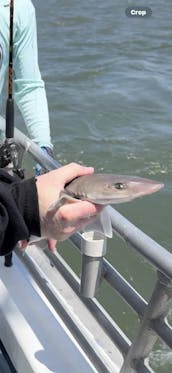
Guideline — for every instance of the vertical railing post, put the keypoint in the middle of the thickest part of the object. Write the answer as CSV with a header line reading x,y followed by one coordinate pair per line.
x,y
93,248
157,308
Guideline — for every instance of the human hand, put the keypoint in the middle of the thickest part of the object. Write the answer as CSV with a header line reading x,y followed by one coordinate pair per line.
x,y
70,217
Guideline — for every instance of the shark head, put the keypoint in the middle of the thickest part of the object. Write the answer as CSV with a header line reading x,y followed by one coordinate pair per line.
x,y
110,188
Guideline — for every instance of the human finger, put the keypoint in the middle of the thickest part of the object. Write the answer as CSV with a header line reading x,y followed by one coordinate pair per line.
x,y
52,244
78,210
73,227
22,244
71,171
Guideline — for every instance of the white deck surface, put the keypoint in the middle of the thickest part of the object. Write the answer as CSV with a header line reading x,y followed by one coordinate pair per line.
x,y
4,368
34,336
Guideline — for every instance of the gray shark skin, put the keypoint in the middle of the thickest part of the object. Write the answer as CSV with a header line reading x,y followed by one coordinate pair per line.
x,y
105,189
110,188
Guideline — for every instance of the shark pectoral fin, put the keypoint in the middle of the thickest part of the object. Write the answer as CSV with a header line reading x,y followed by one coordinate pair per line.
x,y
102,224
63,198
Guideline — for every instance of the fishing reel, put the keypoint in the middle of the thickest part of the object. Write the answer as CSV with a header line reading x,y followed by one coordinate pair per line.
x,y
5,155
9,158
9,161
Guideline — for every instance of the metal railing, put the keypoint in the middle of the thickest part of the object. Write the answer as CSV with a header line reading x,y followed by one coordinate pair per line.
x,y
153,323
152,315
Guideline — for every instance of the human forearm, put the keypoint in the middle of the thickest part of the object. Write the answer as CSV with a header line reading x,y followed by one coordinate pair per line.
x,y
32,102
29,90
19,213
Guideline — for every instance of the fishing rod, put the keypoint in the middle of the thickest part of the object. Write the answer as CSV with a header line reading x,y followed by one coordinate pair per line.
x,y
10,102
10,143
9,150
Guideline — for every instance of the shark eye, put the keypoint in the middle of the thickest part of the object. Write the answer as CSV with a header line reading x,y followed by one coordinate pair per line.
x,y
120,186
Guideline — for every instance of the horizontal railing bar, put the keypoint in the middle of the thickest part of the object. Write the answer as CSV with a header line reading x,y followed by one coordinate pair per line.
x,y
117,282
118,339
33,149
62,311
141,367
163,330
160,257
91,304
127,292
7,358
135,301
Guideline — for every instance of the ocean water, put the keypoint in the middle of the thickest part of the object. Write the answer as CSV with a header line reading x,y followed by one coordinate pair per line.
x,y
109,86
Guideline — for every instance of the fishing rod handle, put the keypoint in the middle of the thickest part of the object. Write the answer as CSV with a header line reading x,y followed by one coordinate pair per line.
x,y
9,118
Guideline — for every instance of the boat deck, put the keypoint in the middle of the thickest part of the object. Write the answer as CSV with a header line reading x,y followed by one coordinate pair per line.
x,y
5,364
41,336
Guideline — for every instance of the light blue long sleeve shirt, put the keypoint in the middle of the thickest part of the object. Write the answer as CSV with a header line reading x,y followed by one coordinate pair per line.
x,y
29,90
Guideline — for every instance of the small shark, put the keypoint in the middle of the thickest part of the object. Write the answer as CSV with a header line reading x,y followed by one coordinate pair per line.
x,y
105,189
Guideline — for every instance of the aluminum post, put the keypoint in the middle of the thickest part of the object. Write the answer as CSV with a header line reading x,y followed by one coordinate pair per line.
x,y
93,248
157,309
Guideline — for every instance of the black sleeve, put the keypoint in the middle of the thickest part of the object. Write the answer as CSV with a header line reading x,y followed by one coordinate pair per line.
x,y
19,211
